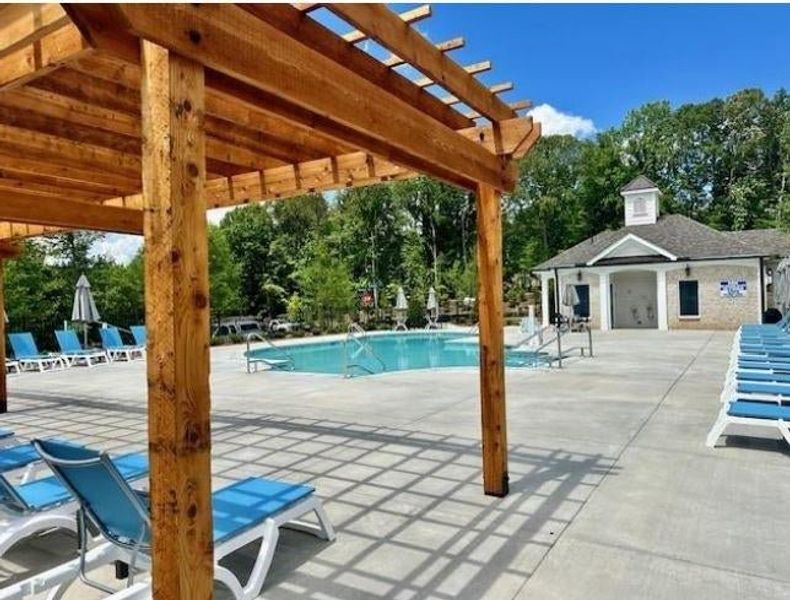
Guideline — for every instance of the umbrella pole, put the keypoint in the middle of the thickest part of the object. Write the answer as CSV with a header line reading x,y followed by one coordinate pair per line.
x,y
85,335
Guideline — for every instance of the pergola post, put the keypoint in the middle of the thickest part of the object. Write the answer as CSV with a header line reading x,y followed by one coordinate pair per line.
x,y
177,315
3,374
492,342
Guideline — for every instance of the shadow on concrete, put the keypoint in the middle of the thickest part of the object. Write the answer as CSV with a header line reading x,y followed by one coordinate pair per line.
x,y
408,505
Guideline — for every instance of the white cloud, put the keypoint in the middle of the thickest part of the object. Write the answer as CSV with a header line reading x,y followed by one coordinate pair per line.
x,y
118,247
555,122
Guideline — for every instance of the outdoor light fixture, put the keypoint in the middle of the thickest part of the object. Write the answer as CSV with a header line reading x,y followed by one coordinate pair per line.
x,y
579,275
688,269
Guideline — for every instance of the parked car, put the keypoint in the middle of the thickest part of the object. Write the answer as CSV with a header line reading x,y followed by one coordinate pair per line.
x,y
282,326
237,327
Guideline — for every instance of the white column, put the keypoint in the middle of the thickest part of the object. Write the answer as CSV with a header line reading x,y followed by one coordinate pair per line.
x,y
544,299
603,292
762,278
661,293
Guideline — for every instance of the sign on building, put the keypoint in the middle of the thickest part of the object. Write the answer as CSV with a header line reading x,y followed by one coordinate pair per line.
x,y
733,288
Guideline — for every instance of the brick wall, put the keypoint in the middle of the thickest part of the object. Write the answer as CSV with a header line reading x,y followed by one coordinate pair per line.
x,y
716,312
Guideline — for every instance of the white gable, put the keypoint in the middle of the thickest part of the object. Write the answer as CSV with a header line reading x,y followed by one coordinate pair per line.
x,y
632,245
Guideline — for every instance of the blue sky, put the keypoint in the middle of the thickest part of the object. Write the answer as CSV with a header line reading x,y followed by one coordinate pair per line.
x,y
600,61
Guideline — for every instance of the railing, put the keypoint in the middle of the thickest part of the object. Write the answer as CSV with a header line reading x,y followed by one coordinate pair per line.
x,y
281,355
358,339
540,352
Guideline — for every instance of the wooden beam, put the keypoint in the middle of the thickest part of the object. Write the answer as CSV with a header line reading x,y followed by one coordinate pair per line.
x,y
86,102
322,40
512,138
70,214
326,95
21,163
472,69
41,56
415,15
281,137
35,188
50,148
456,43
517,105
177,314
492,342
17,231
350,170
24,24
382,25
494,89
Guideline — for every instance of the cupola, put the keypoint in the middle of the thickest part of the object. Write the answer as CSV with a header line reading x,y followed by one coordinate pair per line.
x,y
641,201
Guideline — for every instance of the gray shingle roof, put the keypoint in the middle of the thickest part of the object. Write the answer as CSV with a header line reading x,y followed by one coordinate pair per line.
x,y
640,182
766,242
682,237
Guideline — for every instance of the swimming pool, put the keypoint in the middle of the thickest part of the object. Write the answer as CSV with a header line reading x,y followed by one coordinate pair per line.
x,y
380,353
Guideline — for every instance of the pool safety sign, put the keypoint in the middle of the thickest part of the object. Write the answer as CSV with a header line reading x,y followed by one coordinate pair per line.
x,y
733,288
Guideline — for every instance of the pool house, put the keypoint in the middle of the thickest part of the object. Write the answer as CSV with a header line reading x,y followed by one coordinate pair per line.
x,y
665,271
137,119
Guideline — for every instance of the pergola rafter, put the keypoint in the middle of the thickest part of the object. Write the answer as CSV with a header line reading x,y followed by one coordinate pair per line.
x,y
139,118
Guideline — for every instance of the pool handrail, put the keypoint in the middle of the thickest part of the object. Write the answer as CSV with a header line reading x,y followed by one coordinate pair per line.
x,y
260,337
357,334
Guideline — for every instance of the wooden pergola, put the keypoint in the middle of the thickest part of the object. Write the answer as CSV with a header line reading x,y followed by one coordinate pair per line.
x,y
138,118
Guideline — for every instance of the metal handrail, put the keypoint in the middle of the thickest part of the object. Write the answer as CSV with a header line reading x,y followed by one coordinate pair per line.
x,y
355,327
357,334
536,334
260,337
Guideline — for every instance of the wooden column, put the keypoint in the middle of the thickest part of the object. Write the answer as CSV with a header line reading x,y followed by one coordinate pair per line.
x,y
3,385
177,316
492,343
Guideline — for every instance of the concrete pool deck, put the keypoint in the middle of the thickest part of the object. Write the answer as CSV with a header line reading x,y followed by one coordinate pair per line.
x,y
613,493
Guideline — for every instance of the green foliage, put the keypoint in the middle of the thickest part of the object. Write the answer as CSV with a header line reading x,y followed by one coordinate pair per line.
x,y
224,275
327,290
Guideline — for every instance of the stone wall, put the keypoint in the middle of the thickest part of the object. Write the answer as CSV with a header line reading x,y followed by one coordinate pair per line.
x,y
716,311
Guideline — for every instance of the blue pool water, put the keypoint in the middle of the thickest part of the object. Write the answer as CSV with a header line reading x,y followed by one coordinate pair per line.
x,y
387,352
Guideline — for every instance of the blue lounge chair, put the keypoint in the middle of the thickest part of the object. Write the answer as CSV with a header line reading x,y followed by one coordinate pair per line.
x,y
245,511
42,504
116,349
6,437
17,457
140,335
756,391
752,414
27,354
73,351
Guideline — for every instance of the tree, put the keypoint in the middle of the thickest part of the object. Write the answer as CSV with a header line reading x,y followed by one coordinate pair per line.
x,y
326,286
224,275
543,215
249,231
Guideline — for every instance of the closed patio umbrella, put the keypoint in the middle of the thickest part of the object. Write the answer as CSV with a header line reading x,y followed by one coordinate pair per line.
x,y
570,297
84,309
432,305
401,306
400,301
433,310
